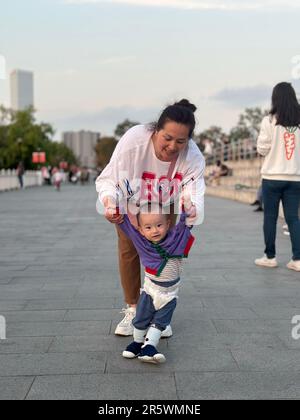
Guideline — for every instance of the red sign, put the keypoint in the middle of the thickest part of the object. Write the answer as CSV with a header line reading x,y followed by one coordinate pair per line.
x,y
42,157
38,157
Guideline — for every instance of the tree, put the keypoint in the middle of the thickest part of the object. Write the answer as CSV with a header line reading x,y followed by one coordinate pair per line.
x,y
20,136
104,149
59,152
213,133
248,125
123,127
208,139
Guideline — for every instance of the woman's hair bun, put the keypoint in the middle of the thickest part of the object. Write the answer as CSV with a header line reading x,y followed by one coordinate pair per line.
x,y
186,104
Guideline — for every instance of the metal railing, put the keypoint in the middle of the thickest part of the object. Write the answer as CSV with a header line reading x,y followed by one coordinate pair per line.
x,y
243,149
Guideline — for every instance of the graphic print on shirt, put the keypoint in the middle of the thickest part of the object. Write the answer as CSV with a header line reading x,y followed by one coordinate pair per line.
x,y
289,141
159,189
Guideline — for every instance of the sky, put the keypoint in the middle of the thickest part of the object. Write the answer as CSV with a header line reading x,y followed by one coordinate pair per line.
x,y
97,62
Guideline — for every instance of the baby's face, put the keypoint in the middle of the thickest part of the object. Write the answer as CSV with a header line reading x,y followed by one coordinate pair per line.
x,y
154,226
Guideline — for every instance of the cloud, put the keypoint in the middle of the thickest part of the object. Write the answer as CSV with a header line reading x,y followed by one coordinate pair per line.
x,y
244,96
230,5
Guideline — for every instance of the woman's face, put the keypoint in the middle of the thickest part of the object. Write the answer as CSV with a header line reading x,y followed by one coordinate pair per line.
x,y
170,140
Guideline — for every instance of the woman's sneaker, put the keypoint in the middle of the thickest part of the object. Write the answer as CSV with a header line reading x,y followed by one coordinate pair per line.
x,y
266,262
294,265
132,350
149,354
125,327
167,332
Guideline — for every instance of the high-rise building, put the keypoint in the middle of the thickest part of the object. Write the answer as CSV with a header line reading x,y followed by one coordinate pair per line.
x,y
83,145
21,89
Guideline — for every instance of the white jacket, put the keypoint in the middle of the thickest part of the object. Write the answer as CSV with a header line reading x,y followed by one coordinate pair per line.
x,y
281,148
135,168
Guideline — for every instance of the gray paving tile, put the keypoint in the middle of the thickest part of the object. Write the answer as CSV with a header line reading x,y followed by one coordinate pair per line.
x,y
15,388
238,385
183,327
252,325
12,305
226,341
56,304
224,302
133,386
275,312
254,358
32,316
25,345
36,293
5,280
51,363
92,314
288,340
94,343
65,387
185,312
43,329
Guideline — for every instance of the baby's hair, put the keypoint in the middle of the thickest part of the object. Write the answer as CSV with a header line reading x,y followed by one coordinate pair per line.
x,y
150,208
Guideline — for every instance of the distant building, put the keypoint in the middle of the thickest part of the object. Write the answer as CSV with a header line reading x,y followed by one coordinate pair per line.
x,y
83,145
21,89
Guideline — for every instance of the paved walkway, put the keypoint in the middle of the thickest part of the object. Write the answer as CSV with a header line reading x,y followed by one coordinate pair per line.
x,y
60,295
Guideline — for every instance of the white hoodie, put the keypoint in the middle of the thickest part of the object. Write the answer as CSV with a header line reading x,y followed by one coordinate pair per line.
x,y
135,168
281,148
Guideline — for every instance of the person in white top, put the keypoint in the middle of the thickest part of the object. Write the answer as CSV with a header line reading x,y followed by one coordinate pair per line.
x,y
279,142
151,162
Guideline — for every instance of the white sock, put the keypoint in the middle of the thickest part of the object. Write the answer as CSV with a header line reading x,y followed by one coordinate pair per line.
x,y
139,335
152,337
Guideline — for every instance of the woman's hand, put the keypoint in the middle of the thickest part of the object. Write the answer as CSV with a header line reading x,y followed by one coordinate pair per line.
x,y
191,212
111,210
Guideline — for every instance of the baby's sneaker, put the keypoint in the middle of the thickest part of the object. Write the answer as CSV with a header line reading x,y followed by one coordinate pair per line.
x,y
149,354
132,350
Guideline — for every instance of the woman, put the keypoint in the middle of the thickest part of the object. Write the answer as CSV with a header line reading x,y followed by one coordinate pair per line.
x,y
151,162
279,142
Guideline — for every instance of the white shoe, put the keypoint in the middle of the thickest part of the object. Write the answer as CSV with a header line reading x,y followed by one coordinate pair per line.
x,y
286,232
285,227
149,354
266,262
294,265
167,332
156,359
125,327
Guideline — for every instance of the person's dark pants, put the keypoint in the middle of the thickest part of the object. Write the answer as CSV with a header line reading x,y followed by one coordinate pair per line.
x,y
259,196
289,193
20,177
